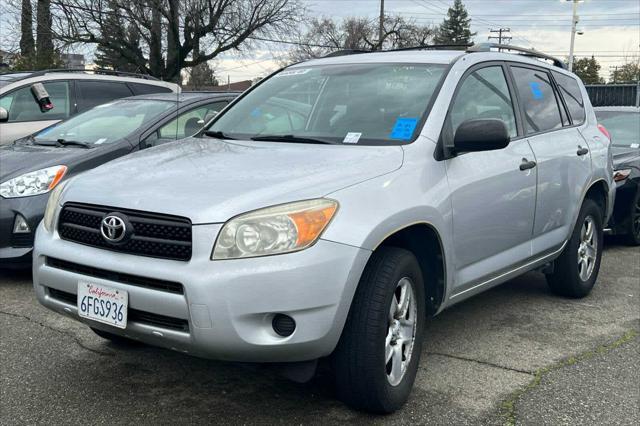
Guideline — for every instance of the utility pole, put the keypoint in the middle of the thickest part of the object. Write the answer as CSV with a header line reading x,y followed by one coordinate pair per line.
x,y
381,28
500,37
574,23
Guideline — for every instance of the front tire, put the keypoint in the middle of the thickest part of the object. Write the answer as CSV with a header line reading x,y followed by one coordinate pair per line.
x,y
376,360
576,270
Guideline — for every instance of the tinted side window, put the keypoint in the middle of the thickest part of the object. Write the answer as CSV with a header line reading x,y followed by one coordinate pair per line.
x,y
541,111
186,124
92,93
23,107
484,94
572,95
144,89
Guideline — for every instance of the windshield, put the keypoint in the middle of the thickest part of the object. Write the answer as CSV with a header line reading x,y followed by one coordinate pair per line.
x,y
624,127
366,104
106,123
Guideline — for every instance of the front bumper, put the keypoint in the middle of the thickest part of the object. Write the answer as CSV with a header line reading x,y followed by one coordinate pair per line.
x,y
15,249
228,304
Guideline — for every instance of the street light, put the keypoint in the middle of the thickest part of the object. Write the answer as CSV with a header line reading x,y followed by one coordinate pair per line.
x,y
574,23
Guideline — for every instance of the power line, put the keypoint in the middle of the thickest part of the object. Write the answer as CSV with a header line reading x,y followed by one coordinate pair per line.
x,y
501,37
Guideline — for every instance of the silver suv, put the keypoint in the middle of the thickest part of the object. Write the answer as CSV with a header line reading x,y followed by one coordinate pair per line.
x,y
333,207
33,100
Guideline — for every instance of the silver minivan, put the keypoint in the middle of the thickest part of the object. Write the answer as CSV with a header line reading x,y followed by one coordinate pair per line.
x,y
333,207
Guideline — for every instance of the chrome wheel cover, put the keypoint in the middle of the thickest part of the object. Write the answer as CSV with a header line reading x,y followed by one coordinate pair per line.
x,y
401,333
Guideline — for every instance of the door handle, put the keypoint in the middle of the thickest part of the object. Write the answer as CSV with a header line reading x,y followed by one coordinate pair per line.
x,y
582,151
526,164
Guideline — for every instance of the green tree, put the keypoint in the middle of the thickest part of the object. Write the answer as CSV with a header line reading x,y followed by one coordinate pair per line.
x,y
456,27
627,73
108,56
201,77
588,70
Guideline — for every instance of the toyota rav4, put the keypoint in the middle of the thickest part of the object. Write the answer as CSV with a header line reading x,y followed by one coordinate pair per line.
x,y
332,208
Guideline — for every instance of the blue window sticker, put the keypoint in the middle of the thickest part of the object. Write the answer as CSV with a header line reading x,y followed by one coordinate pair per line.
x,y
256,112
403,129
536,91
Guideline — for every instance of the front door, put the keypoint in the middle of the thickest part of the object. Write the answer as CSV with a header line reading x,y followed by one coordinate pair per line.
x,y
493,200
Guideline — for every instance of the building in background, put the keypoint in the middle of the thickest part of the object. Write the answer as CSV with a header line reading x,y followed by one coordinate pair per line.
x,y
73,60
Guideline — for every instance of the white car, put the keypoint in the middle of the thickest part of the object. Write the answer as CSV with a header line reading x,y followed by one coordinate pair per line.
x,y
26,106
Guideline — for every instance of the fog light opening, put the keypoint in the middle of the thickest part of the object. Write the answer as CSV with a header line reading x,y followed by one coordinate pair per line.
x,y
283,325
20,225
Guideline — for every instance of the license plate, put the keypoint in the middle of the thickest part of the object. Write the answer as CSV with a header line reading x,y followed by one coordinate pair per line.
x,y
103,304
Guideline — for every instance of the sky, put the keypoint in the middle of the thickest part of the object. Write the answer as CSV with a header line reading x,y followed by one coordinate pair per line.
x,y
611,28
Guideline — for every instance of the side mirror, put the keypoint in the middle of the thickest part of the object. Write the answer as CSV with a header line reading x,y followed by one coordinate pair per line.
x,y
42,97
4,115
481,135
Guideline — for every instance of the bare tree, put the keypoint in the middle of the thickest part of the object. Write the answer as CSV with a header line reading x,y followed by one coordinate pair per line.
x,y
326,35
173,34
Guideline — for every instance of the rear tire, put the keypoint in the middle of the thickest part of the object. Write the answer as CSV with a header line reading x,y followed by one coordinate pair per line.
x,y
115,338
376,360
576,270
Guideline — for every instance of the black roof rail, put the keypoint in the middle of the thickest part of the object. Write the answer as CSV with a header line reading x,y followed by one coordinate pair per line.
x,y
486,47
100,71
344,52
432,47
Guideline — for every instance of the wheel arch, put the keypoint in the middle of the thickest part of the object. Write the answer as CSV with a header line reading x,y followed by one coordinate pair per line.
x,y
425,242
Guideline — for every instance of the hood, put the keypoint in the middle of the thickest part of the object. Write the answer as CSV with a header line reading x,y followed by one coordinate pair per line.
x,y
210,181
21,157
625,156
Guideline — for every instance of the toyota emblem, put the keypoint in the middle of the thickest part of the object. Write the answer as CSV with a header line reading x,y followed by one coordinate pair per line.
x,y
113,229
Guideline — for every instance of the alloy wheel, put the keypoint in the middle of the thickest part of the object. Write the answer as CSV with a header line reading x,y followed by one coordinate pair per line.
x,y
587,248
401,331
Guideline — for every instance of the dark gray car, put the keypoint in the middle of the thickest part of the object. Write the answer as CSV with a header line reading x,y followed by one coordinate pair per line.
x,y
33,166
623,123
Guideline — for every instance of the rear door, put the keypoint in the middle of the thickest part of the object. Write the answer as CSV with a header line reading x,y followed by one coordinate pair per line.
x,y
493,199
562,156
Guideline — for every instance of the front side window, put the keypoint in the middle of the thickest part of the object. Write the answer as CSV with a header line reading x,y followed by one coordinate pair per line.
x,y
186,124
92,93
624,127
105,123
572,96
22,106
541,109
366,104
484,94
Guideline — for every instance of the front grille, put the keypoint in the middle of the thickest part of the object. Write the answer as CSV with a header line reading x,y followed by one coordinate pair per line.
x,y
135,280
133,315
154,235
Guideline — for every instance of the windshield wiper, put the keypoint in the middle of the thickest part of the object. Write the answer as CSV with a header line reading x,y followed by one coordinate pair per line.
x,y
217,134
65,142
289,138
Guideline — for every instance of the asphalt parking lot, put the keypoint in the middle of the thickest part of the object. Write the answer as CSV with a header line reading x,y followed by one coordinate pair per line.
x,y
515,354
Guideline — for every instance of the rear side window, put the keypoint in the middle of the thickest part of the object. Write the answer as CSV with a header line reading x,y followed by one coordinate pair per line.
x,y
92,93
145,89
572,95
541,110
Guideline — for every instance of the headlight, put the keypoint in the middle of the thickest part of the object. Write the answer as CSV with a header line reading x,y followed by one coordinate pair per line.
x,y
274,230
52,206
33,183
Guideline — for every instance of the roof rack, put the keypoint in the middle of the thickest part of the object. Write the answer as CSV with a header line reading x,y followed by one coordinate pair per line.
x,y
344,52
432,47
101,71
486,47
